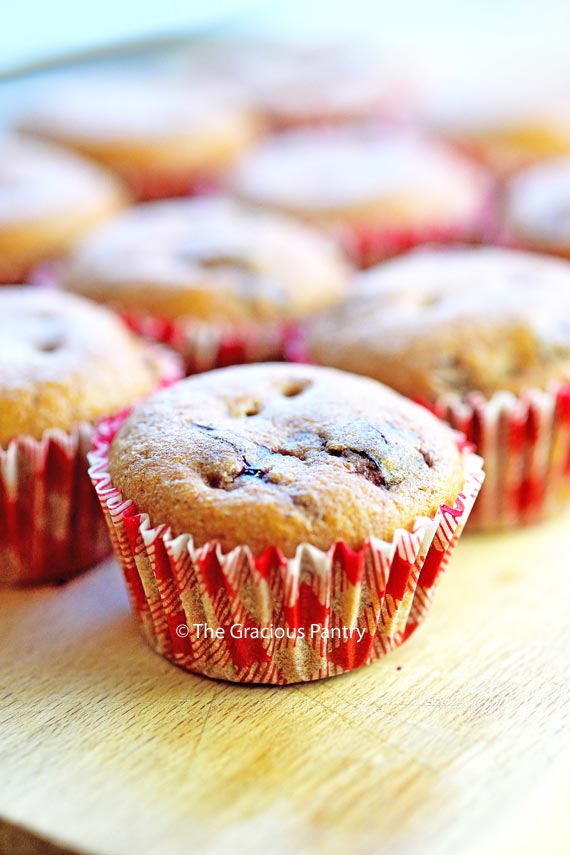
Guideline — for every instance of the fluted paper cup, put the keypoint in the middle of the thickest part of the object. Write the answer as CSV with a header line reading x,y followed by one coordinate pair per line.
x,y
525,442
270,619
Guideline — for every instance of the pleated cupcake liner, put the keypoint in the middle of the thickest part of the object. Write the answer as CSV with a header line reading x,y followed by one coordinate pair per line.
x,y
525,443
270,619
204,345
51,526
367,245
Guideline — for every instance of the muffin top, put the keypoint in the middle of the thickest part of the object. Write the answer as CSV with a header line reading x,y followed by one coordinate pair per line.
x,y
537,206
39,182
367,172
279,454
63,361
94,112
208,258
441,321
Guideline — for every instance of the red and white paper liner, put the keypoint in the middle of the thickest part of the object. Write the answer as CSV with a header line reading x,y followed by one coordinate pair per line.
x,y
270,619
204,346
525,442
367,245
51,526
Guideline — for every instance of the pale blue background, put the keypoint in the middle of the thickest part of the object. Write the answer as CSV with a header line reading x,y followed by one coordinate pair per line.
x,y
32,30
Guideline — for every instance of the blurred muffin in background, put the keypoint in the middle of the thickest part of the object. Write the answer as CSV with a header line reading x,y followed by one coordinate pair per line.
x,y
160,135
49,198
65,363
296,83
536,208
482,336
505,125
378,189
217,281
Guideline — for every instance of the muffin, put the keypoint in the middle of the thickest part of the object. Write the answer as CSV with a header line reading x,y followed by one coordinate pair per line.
x,y
217,281
379,190
294,83
48,199
536,208
160,135
64,364
305,499
482,336
504,125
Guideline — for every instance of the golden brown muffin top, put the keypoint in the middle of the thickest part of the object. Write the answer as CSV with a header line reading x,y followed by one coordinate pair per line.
x,y
368,171
281,455
147,109
537,206
210,259
441,321
63,361
39,182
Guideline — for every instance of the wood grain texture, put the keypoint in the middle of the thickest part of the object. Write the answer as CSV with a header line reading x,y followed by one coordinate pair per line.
x,y
457,743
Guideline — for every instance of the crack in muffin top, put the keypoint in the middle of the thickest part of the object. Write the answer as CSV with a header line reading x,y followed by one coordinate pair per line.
x,y
445,321
279,455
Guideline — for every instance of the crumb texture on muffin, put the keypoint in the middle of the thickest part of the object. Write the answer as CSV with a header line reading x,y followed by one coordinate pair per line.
x,y
279,455
63,361
210,259
453,321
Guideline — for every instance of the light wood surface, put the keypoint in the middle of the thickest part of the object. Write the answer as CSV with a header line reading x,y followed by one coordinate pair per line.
x,y
458,743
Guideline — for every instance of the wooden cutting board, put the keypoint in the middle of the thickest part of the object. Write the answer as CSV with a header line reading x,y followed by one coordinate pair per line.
x,y
457,743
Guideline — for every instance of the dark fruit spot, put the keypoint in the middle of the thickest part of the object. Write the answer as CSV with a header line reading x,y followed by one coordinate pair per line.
x,y
214,480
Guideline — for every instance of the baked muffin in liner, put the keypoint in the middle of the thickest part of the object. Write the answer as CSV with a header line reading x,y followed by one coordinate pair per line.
x,y
51,527
270,619
520,300
219,282
378,188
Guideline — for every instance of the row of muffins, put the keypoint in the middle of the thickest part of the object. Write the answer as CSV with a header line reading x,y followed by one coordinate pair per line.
x,y
376,189
268,459
278,497
214,280
420,324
